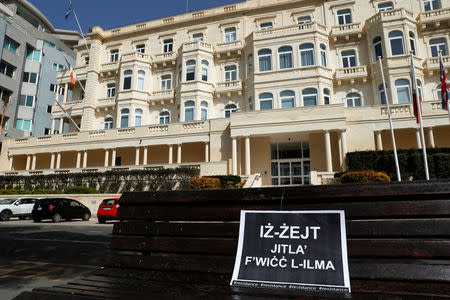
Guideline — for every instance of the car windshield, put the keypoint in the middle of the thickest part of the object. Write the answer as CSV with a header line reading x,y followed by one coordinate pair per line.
x,y
8,201
109,202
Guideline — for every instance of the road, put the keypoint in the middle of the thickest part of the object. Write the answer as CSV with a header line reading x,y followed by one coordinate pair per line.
x,y
46,254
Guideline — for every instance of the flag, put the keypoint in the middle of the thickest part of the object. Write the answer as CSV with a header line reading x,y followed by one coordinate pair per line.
x,y
445,89
69,11
417,110
73,76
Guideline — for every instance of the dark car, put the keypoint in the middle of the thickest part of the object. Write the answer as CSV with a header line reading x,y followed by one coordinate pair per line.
x,y
108,210
59,208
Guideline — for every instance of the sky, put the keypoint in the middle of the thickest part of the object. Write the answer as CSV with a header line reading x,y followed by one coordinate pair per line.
x,y
115,13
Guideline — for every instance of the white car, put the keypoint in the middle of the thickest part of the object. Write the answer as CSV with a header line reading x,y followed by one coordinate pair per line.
x,y
16,207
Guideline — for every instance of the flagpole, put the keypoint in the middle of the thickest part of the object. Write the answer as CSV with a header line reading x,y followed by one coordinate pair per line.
x,y
419,112
64,111
394,145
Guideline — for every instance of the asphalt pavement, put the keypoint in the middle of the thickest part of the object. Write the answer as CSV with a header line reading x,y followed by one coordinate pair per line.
x,y
46,254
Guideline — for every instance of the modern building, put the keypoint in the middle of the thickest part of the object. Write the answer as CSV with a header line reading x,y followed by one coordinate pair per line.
x,y
282,88
32,52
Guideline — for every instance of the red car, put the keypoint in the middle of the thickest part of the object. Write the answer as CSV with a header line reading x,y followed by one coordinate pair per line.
x,y
108,210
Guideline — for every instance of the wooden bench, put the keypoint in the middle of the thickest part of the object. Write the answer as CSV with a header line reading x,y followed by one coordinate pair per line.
x,y
182,244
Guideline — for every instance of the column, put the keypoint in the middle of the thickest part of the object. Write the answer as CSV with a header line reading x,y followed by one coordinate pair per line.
x,y
33,163
113,158
66,91
344,149
328,151
106,157
170,154
85,157
145,156
431,137
53,126
379,140
52,161
179,154
61,125
247,155
28,162
418,143
11,161
58,160
78,160
234,154
206,152
138,153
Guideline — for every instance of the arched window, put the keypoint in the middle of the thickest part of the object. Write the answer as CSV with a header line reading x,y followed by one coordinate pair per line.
x,y
303,20
204,110
323,55
285,57
265,60
287,99
140,80
138,117
353,99
190,70
382,94
205,66
109,123
164,117
230,108
250,64
431,4
307,54
127,75
437,45
230,34
230,73
326,96
344,16
412,42
403,91
309,97
396,39
124,117
265,101
377,47
348,59
189,111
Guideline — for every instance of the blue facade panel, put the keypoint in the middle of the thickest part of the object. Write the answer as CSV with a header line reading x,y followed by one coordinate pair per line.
x,y
2,33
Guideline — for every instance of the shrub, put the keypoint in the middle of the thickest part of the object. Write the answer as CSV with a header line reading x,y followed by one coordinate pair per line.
x,y
46,191
228,181
14,192
204,183
366,176
241,184
80,190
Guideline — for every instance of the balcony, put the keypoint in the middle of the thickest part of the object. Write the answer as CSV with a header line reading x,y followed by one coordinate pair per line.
x,y
64,75
433,67
390,16
136,57
229,87
347,32
434,19
195,86
351,75
290,74
163,95
74,108
105,103
196,46
109,69
306,28
229,49
165,59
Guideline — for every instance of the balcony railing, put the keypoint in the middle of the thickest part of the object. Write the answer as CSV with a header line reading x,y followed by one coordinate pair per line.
x,y
229,86
390,15
351,74
196,45
110,67
289,30
434,17
164,58
136,56
229,47
162,95
433,64
347,31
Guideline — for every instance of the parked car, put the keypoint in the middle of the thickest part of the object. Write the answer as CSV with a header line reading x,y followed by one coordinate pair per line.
x,y
107,210
16,207
59,208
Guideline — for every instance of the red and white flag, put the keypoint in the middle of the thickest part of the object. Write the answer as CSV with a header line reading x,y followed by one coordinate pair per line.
x,y
417,108
73,76
445,89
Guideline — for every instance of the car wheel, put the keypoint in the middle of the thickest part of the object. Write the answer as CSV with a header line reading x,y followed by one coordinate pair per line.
x,y
56,218
22,218
36,220
101,220
86,217
5,215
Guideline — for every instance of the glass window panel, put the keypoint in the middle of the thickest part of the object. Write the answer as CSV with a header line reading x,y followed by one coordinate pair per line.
x,y
285,180
274,181
274,168
274,151
306,168
297,168
296,180
33,77
289,150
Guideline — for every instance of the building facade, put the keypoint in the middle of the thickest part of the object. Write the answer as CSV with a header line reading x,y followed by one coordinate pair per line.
x,y
282,88
32,53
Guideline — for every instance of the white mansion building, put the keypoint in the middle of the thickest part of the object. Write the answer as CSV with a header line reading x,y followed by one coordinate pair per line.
x,y
282,88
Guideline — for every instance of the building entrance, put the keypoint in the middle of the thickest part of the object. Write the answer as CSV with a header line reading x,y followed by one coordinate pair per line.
x,y
290,163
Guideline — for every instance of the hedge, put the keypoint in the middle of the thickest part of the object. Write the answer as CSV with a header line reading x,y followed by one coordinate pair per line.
x,y
410,163
228,181
366,176
204,183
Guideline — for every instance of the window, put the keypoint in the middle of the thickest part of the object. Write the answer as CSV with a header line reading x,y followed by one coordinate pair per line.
x,y
82,95
265,60
204,110
50,44
285,57
396,39
265,101
7,69
265,26
307,54
110,90
140,80
62,90
10,45
290,163
47,131
49,109
230,34
438,45
26,100
30,77
164,117
309,97
168,45
403,91
109,123
326,96
250,64
385,6
251,104
323,55
353,99
197,37
378,48
57,67
138,117
114,55
166,82
189,111
229,109
431,5
24,125
205,66
412,42
348,59
140,48
33,55
303,20
127,79
230,73
124,116
344,16
190,70
439,92
382,94
287,99
52,87
86,60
